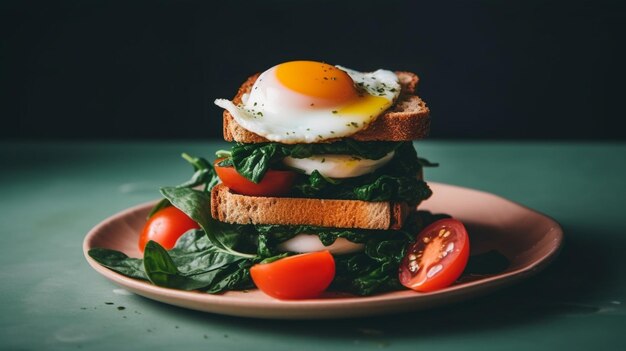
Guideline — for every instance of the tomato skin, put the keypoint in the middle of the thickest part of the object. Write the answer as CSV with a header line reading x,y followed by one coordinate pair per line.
x,y
441,249
274,182
303,276
165,227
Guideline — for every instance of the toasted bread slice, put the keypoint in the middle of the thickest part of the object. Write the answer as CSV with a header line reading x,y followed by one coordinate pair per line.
x,y
408,119
229,207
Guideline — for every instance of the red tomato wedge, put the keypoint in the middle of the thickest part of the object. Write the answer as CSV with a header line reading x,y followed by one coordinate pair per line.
x,y
303,276
274,183
437,258
165,227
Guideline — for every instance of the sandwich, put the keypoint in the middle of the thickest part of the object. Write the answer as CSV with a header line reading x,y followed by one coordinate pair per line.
x,y
319,191
323,160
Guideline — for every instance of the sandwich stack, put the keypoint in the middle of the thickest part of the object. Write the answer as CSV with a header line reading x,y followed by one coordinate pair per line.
x,y
323,159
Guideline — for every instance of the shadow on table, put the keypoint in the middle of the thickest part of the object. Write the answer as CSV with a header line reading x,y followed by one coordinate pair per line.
x,y
562,288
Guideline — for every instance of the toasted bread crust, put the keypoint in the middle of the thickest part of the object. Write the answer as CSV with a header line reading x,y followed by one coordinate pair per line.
x,y
229,207
408,119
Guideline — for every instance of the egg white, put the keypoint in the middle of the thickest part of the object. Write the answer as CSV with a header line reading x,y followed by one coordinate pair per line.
x,y
269,110
310,243
337,166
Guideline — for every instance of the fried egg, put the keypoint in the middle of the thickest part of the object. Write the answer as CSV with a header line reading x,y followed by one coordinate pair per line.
x,y
337,166
308,101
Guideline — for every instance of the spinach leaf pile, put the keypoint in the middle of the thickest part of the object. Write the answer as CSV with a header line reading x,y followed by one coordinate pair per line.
x,y
197,263
396,181
217,257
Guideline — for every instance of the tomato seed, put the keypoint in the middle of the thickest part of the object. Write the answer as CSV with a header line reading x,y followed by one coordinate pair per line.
x,y
434,270
449,248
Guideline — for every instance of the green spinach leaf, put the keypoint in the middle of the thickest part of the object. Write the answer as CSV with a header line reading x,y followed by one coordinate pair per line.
x,y
165,270
196,205
253,160
162,271
193,264
195,254
119,262
234,277
204,174
375,270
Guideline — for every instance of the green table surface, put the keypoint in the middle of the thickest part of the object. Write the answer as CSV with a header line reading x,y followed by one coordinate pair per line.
x,y
51,194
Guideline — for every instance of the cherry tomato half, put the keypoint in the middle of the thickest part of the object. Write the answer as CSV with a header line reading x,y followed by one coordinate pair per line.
x,y
165,227
303,276
274,183
437,258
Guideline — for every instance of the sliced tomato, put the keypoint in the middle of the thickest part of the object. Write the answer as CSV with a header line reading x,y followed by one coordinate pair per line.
x,y
274,182
437,258
303,276
165,227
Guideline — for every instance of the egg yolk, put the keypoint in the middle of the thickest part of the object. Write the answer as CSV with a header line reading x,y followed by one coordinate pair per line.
x,y
320,81
366,105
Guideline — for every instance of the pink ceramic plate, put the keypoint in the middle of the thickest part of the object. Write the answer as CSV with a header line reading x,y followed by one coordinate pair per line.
x,y
527,238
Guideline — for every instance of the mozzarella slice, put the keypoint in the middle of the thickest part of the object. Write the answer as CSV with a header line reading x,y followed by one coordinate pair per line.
x,y
310,243
337,166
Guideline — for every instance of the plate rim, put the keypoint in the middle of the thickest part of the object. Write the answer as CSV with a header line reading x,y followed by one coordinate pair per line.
x,y
299,308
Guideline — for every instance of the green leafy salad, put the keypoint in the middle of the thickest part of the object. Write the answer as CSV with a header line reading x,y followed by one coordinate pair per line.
x,y
216,256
